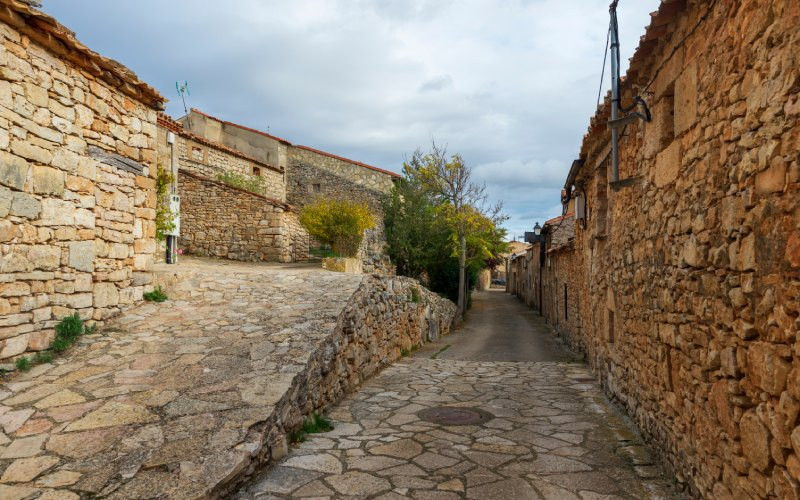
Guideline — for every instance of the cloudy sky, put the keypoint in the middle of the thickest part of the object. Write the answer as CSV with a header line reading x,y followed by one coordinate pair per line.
x,y
509,84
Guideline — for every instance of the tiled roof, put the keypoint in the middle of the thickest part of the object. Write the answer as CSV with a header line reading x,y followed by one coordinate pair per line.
x,y
57,38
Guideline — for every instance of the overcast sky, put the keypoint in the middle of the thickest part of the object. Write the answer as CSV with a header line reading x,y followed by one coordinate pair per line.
x,y
509,84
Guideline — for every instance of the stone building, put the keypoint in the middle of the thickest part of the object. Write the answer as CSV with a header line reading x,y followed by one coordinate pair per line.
x,y
542,276
206,146
77,189
687,270
220,220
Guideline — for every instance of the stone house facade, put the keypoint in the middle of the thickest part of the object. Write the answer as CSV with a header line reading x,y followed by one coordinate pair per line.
x,y
209,159
299,175
77,188
542,277
687,270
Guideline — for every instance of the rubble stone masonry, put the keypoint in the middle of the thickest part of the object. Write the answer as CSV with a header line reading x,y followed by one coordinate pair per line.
x,y
209,159
218,220
76,222
689,273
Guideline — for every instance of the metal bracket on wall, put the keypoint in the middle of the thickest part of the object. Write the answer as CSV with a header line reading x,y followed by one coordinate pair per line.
x,y
623,183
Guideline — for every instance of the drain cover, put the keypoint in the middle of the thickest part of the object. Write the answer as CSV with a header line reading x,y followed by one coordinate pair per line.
x,y
453,415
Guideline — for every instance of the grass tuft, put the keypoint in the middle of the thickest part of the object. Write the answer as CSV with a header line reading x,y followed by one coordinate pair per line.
x,y
23,364
157,295
315,424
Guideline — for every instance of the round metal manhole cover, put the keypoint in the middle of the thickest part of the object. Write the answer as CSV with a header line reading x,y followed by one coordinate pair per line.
x,y
453,415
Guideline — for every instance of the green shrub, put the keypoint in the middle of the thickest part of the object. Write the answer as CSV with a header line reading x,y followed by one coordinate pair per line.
x,y
165,219
415,296
23,364
338,223
252,183
157,295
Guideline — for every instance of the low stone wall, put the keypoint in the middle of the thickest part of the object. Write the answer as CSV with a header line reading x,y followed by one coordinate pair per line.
x,y
218,220
385,318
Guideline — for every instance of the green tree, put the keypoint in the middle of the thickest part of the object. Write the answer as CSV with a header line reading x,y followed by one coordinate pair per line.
x,y
461,204
437,226
339,223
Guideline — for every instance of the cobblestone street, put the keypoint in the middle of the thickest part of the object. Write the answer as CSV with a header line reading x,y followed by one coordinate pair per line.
x,y
554,435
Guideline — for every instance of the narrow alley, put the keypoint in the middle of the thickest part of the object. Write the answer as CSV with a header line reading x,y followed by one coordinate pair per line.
x,y
525,419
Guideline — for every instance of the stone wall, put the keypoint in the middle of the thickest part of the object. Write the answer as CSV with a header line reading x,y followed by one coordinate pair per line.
x,y
218,220
357,173
76,222
307,182
380,323
204,157
689,275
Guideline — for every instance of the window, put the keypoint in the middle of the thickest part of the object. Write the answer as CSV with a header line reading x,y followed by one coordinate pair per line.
x,y
317,188
257,171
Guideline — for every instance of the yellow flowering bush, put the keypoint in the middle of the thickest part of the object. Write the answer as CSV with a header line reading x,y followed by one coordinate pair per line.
x,y
339,223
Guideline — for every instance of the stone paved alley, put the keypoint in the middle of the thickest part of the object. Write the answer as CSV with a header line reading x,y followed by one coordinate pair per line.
x,y
554,435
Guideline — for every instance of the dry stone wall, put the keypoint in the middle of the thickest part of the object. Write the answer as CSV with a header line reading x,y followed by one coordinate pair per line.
x,y
218,220
76,234
308,181
380,323
689,277
355,172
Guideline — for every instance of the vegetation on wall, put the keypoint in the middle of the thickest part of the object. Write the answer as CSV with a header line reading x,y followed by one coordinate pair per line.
x,y
438,229
165,219
252,183
68,331
338,223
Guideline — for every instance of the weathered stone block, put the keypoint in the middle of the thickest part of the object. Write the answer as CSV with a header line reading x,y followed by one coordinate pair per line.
x,y
14,289
668,165
43,257
57,212
13,171
41,340
25,205
48,180
766,369
82,255
772,180
31,152
105,295
36,95
14,346
755,440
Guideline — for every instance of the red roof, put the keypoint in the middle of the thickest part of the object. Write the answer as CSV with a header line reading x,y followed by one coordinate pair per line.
x,y
559,219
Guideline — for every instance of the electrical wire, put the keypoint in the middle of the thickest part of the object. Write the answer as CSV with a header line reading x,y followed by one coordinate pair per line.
x,y
603,72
